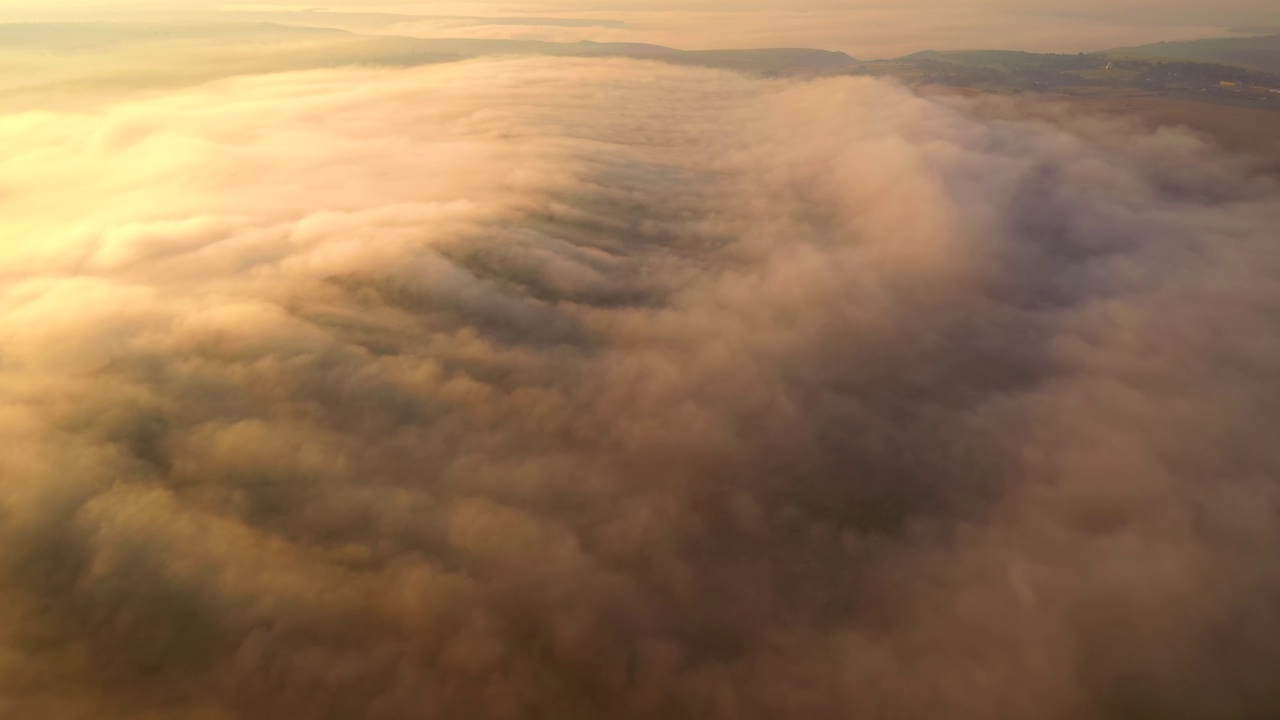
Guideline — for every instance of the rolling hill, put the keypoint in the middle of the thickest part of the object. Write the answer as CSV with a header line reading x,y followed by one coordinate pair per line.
x,y
1255,53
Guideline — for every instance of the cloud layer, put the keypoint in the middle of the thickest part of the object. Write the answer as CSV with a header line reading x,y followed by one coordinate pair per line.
x,y
607,389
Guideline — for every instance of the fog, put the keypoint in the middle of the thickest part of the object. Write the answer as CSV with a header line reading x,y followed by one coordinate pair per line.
x,y
592,388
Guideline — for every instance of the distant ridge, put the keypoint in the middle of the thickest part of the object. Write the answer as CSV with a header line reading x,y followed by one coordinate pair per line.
x,y
1255,53
348,47
765,60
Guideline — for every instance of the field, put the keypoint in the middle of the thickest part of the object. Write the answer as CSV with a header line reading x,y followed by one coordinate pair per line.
x,y
1242,130
1238,129
1203,86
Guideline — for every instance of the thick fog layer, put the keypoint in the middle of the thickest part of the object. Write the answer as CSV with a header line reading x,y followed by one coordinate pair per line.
x,y
606,389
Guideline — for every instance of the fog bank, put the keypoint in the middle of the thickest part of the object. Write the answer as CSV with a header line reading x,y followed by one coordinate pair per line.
x,y
607,389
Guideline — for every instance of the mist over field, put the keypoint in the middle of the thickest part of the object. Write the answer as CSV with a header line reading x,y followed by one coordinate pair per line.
x,y
606,388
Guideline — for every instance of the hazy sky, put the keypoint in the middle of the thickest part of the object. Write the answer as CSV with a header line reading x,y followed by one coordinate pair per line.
x,y
873,29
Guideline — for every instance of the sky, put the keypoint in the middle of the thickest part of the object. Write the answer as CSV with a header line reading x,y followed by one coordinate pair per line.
x,y
611,389
867,30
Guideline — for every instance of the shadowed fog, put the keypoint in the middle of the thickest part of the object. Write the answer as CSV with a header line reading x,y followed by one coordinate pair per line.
x,y
560,388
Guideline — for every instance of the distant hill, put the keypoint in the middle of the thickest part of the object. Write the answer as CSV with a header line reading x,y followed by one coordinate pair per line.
x,y
766,60
1153,70
1256,53
1261,53
771,59
1009,60
288,47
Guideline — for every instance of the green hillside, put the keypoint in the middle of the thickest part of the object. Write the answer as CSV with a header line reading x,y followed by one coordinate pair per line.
x,y
1256,53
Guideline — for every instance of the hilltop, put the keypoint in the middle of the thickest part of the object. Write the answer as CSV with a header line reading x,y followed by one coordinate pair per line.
x,y
1260,53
